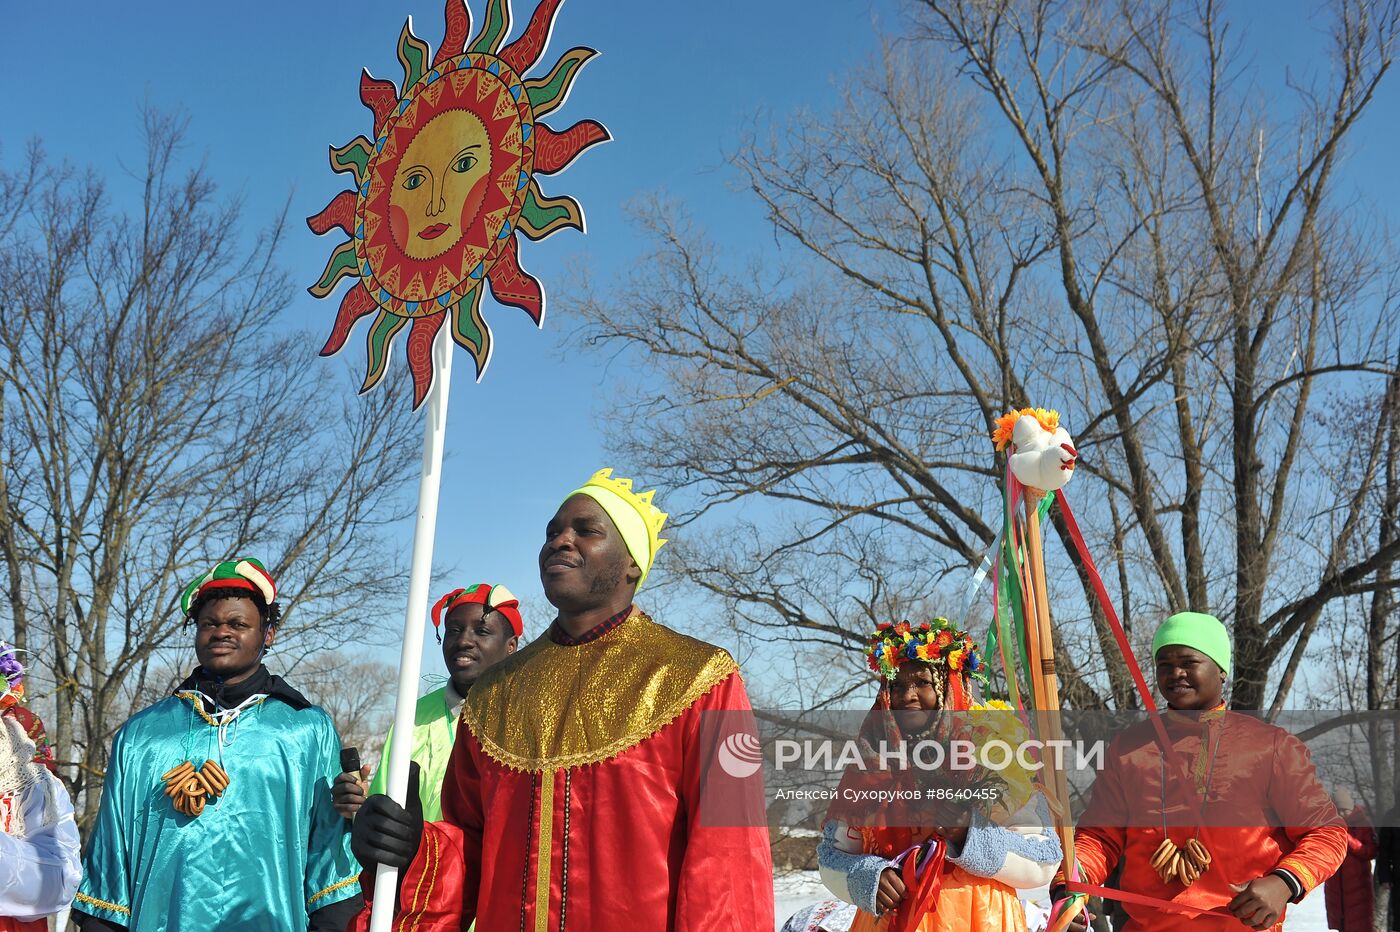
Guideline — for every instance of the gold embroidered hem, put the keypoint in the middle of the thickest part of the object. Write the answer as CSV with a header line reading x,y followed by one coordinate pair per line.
x,y
554,706
339,885
102,904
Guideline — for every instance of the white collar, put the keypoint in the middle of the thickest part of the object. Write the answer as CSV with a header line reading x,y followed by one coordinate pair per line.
x,y
453,701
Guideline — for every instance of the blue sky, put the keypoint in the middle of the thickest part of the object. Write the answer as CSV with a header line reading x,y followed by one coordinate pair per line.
x,y
268,86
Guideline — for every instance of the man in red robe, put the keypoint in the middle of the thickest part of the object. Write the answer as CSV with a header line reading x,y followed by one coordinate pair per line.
x,y
1243,789
574,795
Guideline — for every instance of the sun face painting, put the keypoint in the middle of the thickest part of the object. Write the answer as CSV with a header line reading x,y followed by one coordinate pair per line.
x,y
446,184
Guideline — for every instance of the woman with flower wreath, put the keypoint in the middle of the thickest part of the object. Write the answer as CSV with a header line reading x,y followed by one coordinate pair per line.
x,y
962,871
39,856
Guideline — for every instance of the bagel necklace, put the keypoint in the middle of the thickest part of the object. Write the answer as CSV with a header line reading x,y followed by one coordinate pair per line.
x,y
1185,863
190,790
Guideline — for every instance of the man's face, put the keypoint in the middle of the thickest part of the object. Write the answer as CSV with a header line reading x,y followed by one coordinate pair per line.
x,y
229,637
1188,679
471,643
584,563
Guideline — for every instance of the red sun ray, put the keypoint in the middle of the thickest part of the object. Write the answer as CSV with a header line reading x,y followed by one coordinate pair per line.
x,y
420,354
356,304
459,26
340,212
525,51
554,151
510,284
381,97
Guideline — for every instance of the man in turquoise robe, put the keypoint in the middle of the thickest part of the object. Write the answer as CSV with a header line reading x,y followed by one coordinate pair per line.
x,y
261,847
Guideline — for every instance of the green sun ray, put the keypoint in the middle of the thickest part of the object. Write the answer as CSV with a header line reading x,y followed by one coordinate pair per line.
x,y
341,265
547,93
354,157
494,27
541,215
414,55
469,329
381,337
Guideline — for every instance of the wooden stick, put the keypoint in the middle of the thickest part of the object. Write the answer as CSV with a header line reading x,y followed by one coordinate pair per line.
x,y
1029,600
1047,692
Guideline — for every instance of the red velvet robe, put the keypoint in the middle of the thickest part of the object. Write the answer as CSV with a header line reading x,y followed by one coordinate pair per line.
x,y
577,791
1263,777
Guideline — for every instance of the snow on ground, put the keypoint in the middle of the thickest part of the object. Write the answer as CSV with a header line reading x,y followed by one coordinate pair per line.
x,y
796,889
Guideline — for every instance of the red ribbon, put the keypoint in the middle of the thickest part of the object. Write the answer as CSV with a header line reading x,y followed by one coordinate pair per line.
x,y
1140,899
1114,624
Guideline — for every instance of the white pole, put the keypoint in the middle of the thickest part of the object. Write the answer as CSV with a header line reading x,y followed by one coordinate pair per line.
x,y
386,879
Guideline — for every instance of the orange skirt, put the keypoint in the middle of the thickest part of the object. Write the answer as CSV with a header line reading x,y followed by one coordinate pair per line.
x,y
966,903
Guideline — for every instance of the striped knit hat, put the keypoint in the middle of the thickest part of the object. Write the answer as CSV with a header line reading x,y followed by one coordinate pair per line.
x,y
241,573
494,598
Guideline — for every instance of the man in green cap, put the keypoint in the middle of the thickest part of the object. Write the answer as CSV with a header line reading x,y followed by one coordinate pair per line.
x,y
1192,653
1226,829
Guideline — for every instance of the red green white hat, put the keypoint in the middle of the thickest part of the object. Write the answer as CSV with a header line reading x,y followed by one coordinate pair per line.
x,y
241,573
494,598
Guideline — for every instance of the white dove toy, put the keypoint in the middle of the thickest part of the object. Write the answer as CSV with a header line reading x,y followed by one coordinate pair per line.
x,y
1042,454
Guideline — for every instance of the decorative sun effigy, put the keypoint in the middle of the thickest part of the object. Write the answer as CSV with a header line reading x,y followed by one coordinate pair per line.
x,y
445,187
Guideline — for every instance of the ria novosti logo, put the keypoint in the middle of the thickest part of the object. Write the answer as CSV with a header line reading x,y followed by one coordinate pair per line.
x,y
740,755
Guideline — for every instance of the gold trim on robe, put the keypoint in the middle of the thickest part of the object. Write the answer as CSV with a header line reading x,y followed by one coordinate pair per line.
x,y
553,706
544,865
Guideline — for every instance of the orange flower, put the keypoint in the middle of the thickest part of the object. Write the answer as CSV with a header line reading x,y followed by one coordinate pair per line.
x,y
1001,436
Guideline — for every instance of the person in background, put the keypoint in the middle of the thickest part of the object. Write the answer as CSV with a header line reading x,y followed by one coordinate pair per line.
x,y
478,627
40,859
1388,862
926,670
1350,897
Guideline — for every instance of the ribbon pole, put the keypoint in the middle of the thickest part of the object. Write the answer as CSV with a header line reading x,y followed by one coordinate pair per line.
x,y
386,879
1046,684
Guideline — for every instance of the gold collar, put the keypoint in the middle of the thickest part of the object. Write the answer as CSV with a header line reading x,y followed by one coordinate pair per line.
x,y
550,705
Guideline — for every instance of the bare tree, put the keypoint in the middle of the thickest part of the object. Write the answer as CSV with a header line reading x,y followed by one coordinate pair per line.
x,y
155,419
358,694
1362,668
1071,204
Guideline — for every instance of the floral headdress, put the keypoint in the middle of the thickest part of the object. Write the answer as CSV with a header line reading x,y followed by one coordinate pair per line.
x,y
937,642
11,677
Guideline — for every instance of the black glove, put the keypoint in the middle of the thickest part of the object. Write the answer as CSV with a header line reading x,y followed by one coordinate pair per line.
x,y
385,832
